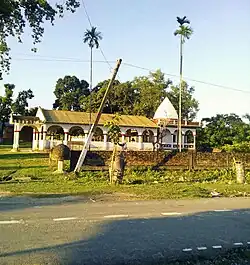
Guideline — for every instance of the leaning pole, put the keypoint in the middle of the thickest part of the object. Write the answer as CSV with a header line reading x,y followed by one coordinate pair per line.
x,y
92,129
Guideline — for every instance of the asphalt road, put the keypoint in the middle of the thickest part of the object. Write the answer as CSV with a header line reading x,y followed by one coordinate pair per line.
x,y
75,230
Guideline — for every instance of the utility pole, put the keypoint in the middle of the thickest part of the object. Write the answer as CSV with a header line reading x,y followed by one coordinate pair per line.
x,y
92,129
180,98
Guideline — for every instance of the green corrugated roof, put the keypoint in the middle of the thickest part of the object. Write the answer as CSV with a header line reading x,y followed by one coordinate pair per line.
x,y
74,117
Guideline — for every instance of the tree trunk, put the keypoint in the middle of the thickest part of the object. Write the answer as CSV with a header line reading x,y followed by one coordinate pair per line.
x,y
2,126
240,172
117,166
90,84
179,120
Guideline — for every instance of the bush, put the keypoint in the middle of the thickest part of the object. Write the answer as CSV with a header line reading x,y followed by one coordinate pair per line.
x,y
243,147
142,176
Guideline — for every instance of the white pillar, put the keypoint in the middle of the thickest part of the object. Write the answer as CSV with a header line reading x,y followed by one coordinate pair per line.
x,y
34,142
123,137
41,139
65,137
140,143
105,141
16,138
44,139
85,136
183,140
194,141
172,140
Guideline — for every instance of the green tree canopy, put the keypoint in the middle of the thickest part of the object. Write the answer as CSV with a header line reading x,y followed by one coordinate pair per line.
x,y
16,15
151,91
221,130
6,102
20,105
190,106
92,37
70,93
120,99
141,96
31,111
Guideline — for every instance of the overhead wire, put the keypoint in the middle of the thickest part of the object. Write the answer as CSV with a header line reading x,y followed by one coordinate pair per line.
x,y
65,59
91,25
59,60
190,79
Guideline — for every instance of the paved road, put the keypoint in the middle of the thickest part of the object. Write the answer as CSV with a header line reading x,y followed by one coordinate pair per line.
x,y
73,230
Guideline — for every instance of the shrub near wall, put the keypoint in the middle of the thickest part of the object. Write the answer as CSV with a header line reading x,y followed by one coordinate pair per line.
x,y
166,159
136,158
220,160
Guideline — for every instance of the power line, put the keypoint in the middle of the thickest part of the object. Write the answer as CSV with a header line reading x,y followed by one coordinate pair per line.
x,y
86,12
91,25
147,69
191,79
59,60
63,59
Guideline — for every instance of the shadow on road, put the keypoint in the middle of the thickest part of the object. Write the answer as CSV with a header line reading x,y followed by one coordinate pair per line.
x,y
23,202
144,241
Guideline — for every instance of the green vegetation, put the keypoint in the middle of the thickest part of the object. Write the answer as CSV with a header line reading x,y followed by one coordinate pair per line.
x,y
16,16
226,131
22,173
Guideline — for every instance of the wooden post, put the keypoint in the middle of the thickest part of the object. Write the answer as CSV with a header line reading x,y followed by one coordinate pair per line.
x,y
190,165
240,172
227,157
92,129
60,166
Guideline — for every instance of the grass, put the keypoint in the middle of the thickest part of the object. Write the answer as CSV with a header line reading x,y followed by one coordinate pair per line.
x,y
31,174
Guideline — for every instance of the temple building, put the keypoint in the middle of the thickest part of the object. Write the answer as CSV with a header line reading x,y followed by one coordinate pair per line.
x,y
52,127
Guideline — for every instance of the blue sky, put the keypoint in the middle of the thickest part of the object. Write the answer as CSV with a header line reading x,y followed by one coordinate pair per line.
x,y
141,33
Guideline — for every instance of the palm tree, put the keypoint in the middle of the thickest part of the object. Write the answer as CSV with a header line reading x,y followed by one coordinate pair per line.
x,y
92,37
184,32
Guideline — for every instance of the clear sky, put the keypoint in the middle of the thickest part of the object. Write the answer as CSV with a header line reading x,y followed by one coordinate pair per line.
x,y
141,33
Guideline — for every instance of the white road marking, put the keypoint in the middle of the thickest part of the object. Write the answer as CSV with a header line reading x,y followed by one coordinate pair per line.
x,y
170,214
248,243
216,247
64,219
10,222
223,210
187,249
201,248
116,216
238,244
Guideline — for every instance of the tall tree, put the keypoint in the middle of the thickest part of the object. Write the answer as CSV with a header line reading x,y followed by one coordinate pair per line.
x,y
120,99
6,102
92,38
184,32
151,92
5,107
70,92
15,15
117,163
31,111
222,129
20,105
189,106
